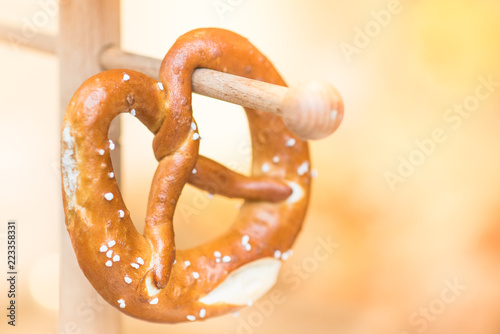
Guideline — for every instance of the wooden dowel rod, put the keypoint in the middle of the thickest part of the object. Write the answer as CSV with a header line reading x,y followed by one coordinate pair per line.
x,y
312,110
239,90
114,58
222,86
16,37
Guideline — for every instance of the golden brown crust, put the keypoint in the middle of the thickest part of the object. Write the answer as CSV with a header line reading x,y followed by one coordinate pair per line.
x,y
214,178
143,275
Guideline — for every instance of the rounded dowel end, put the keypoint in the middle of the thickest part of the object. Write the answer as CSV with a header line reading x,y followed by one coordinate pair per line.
x,y
313,109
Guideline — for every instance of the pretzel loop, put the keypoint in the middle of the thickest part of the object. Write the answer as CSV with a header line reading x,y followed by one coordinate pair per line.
x,y
143,275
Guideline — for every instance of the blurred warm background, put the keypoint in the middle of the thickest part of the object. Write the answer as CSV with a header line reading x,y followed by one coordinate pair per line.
x,y
407,189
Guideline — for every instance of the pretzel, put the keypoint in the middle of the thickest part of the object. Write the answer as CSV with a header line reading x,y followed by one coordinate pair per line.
x,y
143,275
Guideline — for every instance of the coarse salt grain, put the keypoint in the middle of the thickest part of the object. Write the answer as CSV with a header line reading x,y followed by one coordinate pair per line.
x,y
277,254
286,255
121,302
303,169
265,168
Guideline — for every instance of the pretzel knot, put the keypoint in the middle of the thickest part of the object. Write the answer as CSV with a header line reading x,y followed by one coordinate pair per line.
x,y
143,275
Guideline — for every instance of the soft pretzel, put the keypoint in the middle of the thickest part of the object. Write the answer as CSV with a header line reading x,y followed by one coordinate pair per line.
x,y
143,275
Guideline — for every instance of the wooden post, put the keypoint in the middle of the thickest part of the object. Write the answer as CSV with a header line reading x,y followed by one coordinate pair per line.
x,y
85,27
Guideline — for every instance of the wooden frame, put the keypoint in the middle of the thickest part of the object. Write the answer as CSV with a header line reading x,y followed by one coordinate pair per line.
x,y
85,27
88,43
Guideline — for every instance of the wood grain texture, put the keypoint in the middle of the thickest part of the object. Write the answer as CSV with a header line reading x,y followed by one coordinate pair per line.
x,y
249,93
